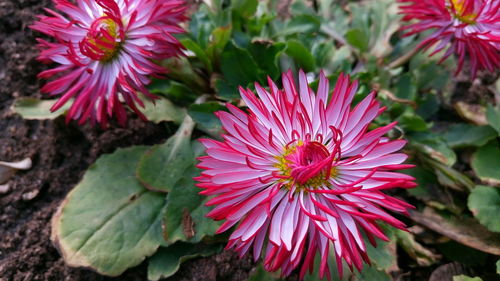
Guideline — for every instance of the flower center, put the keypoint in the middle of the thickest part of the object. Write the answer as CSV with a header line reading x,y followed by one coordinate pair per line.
x,y
463,10
306,165
103,40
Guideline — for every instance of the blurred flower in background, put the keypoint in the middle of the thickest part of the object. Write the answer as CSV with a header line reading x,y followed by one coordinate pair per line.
x,y
469,28
105,49
301,174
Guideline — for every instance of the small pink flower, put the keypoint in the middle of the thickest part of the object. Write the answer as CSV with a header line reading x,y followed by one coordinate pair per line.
x,y
464,27
105,49
300,173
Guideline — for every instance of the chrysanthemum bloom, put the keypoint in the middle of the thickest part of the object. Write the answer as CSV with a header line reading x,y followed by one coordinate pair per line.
x,y
301,174
105,49
465,27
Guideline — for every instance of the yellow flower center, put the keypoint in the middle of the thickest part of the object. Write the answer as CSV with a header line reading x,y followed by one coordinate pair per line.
x,y
305,166
103,40
462,12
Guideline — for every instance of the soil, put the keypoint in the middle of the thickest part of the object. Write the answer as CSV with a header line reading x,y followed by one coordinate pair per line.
x,y
61,153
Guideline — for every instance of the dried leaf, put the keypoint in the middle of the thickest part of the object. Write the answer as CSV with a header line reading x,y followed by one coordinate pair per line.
x,y
466,231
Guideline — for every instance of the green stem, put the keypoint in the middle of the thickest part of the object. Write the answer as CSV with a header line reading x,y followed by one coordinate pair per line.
x,y
404,58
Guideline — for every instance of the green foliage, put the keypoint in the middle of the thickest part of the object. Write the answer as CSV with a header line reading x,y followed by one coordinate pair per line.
x,y
484,202
168,259
485,163
162,109
239,69
466,278
493,115
302,56
184,218
203,115
109,221
461,135
260,274
35,109
163,165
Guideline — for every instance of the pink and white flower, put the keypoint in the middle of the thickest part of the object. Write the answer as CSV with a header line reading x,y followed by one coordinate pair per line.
x,y
105,51
465,27
300,174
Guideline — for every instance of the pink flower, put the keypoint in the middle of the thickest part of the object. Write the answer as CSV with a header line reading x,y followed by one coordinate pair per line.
x,y
464,27
105,49
301,174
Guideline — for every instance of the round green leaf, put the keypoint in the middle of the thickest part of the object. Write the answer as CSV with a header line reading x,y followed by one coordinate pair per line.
x,y
461,135
300,54
35,109
167,260
164,164
184,218
357,38
493,117
109,222
484,203
162,109
203,115
466,278
486,163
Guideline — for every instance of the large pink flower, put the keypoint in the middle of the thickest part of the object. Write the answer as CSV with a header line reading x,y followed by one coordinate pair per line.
x,y
301,174
465,27
105,49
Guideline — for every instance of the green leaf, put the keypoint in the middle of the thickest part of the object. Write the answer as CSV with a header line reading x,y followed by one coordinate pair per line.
x,y
381,255
35,109
164,164
162,110
370,273
300,54
462,135
184,218
109,222
245,8
413,123
466,278
301,24
357,38
168,260
484,203
486,163
435,147
260,274
493,116
203,115
176,92
220,37
238,69
405,87
498,266
422,255
198,51
266,55
448,176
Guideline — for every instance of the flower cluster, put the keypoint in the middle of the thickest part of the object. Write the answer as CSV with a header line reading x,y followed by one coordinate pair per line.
x,y
105,49
300,174
465,27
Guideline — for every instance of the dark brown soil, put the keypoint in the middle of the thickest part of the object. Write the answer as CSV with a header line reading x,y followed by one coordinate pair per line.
x,y
61,153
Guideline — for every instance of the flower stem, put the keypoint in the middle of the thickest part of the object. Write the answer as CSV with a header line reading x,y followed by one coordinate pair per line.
x,y
404,58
